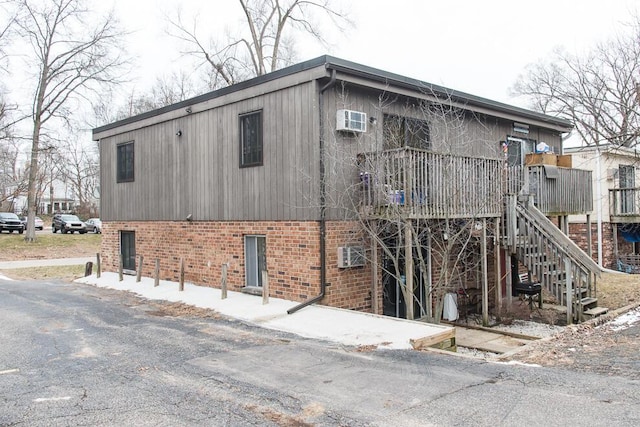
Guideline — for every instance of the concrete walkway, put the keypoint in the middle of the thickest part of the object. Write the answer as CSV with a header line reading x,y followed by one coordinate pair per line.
x,y
321,322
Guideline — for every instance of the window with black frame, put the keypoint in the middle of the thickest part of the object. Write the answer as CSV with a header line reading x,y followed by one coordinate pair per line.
x,y
125,162
251,139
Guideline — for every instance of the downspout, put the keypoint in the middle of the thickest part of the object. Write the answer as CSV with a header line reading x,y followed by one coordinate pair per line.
x,y
599,205
323,202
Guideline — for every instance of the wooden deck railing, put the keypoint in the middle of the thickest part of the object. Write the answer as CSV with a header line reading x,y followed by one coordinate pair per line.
x,y
569,191
624,202
421,184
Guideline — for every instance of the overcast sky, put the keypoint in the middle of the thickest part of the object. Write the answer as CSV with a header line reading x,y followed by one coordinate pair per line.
x,y
479,47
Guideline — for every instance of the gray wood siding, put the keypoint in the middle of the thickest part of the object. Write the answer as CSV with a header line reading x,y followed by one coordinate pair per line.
x,y
464,134
199,172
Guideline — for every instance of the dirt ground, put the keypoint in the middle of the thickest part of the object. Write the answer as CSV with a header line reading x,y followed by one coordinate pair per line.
x,y
617,290
596,345
613,290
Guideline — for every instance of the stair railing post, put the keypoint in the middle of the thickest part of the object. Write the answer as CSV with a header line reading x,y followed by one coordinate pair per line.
x,y
513,223
568,290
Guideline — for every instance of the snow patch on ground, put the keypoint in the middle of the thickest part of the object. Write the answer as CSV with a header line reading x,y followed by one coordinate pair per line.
x,y
626,320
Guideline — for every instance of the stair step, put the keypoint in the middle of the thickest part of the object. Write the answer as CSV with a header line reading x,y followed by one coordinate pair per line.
x,y
588,301
596,311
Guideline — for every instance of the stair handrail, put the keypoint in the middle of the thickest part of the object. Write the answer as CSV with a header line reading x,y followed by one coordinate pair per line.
x,y
562,242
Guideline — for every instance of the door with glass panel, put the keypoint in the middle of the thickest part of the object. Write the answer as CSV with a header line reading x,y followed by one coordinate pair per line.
x,y
255,259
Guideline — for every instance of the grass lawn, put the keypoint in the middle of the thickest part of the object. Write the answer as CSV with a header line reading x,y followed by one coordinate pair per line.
x,y
48,245
66,272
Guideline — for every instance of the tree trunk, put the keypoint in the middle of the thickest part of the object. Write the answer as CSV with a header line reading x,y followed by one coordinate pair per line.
x,y
30,235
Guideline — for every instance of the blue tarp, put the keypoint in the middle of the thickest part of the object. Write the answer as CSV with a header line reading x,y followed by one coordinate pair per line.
x,y
630,232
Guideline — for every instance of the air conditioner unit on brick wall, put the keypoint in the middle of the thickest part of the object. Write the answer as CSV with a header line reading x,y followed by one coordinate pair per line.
x,y
351,121
350,256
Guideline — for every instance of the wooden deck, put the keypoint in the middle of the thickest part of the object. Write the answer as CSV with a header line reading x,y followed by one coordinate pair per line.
x,y
624,205
415,183
420,184
556,190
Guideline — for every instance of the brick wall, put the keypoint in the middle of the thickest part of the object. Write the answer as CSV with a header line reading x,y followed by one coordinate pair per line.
x,y
349,287
293,259
578,233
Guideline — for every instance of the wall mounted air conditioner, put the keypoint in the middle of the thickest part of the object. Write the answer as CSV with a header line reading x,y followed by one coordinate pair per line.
x,y
352,121
350,256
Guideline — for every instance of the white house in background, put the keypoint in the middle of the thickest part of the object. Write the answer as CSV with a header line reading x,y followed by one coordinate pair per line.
x,y
616,215
62,200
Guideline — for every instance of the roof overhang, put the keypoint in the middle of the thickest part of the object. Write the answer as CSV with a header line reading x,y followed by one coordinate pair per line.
x,y
347,71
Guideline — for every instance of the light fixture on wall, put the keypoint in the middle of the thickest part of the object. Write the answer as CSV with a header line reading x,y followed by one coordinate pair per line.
x,y
188,110
179,133
189,218
373,120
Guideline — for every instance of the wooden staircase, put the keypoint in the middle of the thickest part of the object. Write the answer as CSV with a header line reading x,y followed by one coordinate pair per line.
x,y
562,268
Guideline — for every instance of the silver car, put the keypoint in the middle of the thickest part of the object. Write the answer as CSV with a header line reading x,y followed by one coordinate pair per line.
x,y
39,224
68,224
94,224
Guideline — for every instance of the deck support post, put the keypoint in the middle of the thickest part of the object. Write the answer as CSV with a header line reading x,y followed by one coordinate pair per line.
x,y
498,267
508,276
430,314
615,241
374,276
485,278
408,269
589,237
569,290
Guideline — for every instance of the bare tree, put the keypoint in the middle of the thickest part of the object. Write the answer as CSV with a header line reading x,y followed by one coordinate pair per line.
x,y
427,194
5,121
74,53
13,182
81,170
267,43
598,91
168,89
6,25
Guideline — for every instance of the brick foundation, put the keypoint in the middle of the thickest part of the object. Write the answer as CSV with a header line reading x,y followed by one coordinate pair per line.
x,y
293,259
